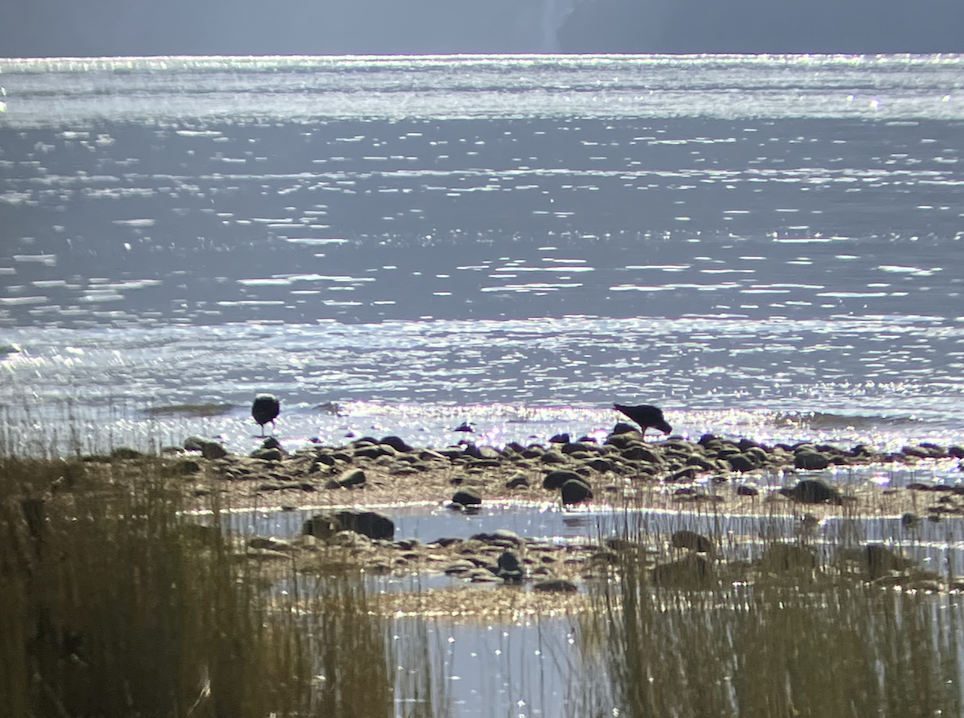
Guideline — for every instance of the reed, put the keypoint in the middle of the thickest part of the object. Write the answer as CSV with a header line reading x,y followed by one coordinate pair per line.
x,y
779,637
117,603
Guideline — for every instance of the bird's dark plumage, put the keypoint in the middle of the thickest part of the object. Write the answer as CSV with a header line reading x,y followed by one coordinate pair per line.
x,y
266,408
646,416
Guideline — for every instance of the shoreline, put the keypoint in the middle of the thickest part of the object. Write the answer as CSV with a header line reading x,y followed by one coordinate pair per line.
x,y
623,470
790,507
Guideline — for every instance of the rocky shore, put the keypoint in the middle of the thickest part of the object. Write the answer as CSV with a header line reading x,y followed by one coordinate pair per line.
x,y
351,489
625,468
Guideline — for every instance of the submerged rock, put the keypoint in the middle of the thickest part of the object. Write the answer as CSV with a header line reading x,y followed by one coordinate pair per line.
x,y
692,572
367,523
498,537
811,491
557,585
784,557
879,561
692,541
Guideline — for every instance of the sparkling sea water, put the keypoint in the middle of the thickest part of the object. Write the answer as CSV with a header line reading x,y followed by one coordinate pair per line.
x,y
765,246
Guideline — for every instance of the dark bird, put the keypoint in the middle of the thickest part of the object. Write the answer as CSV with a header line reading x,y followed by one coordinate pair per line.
x,y
265,408
646,416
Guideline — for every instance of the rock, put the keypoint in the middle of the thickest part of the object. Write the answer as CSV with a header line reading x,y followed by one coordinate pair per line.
x,y
367,523
881,560
364,441
692,572
124,452
489,453
554,457
373,452
272,544
692,541
187,467
396,443
498,536
747,490
784,557
558,585
811,460
194,443
349,478
459,566
640,453
213,450
467,497
687,474
956,451
482,576
285,486
910,521
519,481
401,468
580,446
446,542
322,460
742,462
555,479
811,491
622,427
267,454
271,442
559,439
701,462
625,440
575,491
601,465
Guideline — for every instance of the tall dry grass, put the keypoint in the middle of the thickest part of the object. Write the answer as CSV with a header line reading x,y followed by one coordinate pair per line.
x,y
787,639
116,603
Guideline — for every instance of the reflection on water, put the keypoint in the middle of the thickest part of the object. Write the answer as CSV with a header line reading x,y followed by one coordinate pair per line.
x,y
172,241
766,246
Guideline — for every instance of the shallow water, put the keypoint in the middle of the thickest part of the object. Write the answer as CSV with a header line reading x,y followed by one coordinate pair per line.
x,y
515,242
499,240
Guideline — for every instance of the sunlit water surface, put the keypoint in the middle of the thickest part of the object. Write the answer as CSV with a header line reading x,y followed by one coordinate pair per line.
x,y
765,246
